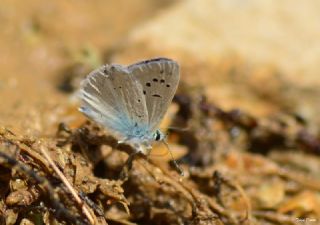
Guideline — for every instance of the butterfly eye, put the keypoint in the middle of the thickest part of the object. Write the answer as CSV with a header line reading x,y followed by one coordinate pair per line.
x,y
157,136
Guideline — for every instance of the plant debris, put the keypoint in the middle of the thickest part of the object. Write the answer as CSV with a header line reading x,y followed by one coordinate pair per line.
x,y
238,169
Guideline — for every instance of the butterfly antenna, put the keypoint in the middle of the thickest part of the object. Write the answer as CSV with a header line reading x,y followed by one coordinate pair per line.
x,y
176,165
178,128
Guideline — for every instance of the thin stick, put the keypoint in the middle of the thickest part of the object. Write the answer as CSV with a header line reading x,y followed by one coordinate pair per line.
x,y
85,209
46,185
246,199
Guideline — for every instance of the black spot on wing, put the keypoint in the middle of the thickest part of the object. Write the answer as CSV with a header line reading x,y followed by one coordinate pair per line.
x,y
156,95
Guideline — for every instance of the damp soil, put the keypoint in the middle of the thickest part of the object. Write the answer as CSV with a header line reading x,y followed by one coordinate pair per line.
x,y
237,168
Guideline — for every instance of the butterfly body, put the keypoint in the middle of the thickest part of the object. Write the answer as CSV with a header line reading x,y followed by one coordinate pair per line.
x,y
131,100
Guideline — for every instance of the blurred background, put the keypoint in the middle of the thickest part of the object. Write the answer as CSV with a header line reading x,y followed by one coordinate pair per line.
x,y
249,94
260,56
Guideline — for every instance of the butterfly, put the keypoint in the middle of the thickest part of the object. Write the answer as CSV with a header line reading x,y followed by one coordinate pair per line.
x,y
130,101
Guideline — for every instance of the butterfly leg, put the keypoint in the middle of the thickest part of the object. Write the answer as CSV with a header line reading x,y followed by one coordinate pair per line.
x,y
143,148
140,148
124,174
148,149
122,141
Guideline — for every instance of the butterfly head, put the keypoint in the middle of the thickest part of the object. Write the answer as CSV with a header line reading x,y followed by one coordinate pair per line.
x,y
158,135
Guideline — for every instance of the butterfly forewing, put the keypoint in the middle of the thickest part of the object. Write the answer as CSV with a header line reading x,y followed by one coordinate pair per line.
x,y
159,80
114,98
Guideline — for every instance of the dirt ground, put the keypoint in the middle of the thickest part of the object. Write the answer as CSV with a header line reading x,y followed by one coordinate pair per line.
x,y
247,137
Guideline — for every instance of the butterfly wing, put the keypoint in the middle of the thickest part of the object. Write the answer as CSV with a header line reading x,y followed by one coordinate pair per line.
x,y
114,98
159,79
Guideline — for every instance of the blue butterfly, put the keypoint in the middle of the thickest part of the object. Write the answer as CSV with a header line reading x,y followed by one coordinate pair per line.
x,y
130,101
